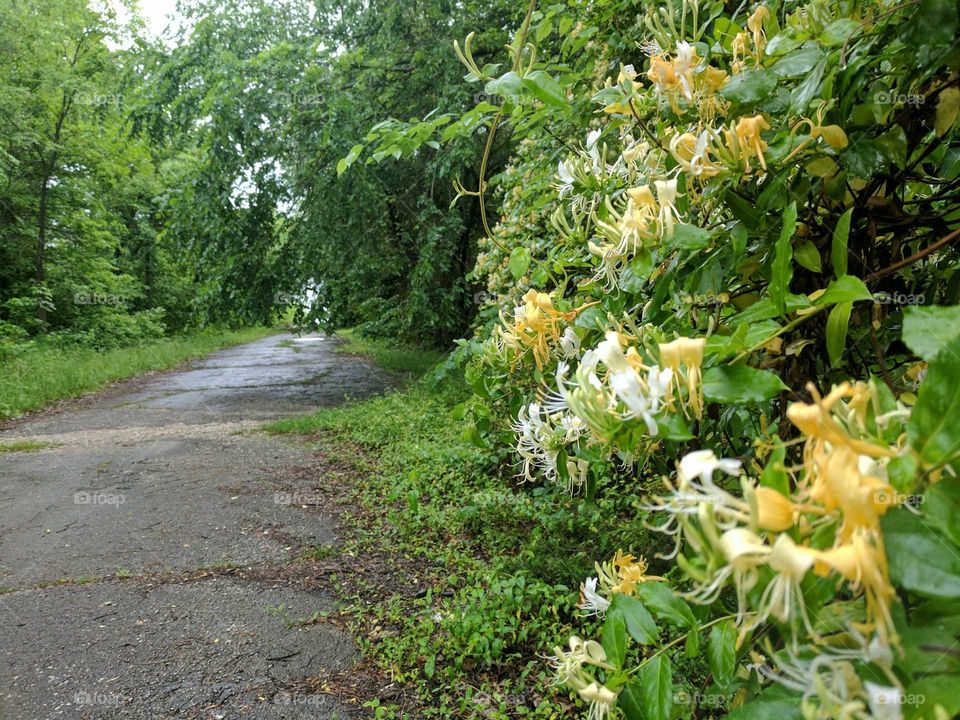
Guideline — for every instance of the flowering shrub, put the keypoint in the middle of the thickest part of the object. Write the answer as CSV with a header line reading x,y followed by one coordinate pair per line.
x,y
735,195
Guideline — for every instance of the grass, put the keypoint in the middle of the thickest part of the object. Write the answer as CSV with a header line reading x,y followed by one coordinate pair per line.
x,y
412,362
470,579
43,375
25,446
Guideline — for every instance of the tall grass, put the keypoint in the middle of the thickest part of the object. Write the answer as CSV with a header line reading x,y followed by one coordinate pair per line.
x,y
412,361
43,374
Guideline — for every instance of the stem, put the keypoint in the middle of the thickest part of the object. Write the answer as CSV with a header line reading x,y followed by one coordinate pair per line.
x,y
786,328
682,638
913,258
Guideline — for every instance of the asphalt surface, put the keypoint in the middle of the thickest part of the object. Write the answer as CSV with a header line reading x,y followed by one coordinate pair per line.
x,y
106,610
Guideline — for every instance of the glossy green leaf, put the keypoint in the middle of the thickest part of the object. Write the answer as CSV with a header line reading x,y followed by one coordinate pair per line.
x,y
927,329
783,252
847,288
640,623
921,559
838,249
656,688
740,384
545,88
722,652
934,427
837,322
665,604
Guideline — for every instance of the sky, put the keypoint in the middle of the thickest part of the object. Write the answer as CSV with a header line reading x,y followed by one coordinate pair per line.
x,y
155,12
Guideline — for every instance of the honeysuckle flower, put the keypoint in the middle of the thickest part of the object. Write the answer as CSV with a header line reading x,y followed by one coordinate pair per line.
x,y
569,663
692,153
684,64
774,511
755,25
703,464
593,151
783,596
863,563
817,423
566,178
667,197
601,700
570,343
688,353
592,602
536,326
747,140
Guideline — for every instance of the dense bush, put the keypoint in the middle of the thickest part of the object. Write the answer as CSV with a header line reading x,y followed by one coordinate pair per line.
x,y
726,280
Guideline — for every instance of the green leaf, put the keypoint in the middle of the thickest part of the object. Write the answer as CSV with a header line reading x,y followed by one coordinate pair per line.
x,y
508,85
942,507
656,688
689,237
662,601
930,692
797,63
837,323
838,250
739,384
774,472
846,288
630,701
934,427
782,269
640,623
749,87
545,88
615,638
519,262
927,329
921,559
722,652
839,31
808,256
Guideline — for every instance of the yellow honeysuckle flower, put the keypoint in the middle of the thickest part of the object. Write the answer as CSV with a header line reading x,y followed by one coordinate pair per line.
x,y
687,352
693,154
755,25
863,563
536,325
816,422
749,142
774,511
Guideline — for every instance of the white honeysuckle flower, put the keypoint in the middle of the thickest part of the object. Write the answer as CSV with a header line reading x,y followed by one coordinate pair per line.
x,y
566,178
601,700
667,198
684,64
658,383
592,602
611,354
703,463
629,390
593,151
569,343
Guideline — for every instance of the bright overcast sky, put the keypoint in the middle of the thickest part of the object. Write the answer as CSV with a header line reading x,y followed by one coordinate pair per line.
x,y
155,12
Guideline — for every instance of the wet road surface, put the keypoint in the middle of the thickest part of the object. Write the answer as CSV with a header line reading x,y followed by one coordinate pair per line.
x,y
106,611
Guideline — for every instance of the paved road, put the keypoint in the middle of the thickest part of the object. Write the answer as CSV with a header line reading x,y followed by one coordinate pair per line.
x,y
105,610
